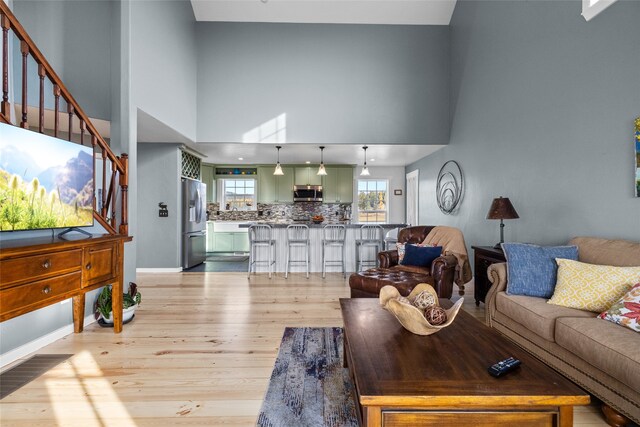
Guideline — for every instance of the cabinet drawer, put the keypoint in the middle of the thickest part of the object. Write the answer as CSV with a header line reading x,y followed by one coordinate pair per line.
x,y
99,264
472,418
34,293
32,267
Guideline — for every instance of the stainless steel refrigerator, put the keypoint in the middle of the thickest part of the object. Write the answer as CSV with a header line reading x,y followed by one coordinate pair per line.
x,y
194,222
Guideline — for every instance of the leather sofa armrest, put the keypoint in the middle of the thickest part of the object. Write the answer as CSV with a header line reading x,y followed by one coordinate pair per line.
x,y
497,275
387,259
443,271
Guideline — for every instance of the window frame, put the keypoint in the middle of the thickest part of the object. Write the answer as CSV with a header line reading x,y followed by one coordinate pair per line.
x,y
222,194
376,211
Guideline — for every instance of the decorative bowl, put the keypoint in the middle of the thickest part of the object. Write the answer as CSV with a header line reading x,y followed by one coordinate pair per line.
x,y
410,316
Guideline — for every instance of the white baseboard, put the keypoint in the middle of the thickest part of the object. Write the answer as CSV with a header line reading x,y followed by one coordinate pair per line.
x,y
35,345
159,270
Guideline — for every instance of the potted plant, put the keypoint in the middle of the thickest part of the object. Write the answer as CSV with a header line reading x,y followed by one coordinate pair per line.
x,y
130,302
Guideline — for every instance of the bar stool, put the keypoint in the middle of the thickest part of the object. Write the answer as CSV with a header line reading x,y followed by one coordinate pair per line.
x,y
333,235
390,239
370,237
261,236
297,237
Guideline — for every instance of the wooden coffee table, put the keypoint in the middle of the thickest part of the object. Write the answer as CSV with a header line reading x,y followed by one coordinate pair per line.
x,y
402,379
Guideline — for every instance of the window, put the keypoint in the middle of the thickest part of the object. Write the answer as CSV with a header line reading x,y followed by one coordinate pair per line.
x,y
372,200
591,8
238,194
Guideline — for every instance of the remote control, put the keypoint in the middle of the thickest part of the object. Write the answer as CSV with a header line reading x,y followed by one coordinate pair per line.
x,y
504,366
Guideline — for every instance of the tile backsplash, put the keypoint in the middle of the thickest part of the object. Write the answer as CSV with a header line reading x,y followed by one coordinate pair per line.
x,y
280,211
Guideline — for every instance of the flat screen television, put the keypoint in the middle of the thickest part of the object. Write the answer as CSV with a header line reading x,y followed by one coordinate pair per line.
x,y
45,182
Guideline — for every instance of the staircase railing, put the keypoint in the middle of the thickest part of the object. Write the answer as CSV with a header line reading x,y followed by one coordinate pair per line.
x,y
110,183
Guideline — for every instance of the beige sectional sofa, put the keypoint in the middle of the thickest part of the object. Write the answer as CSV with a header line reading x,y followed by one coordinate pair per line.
x,y
600,356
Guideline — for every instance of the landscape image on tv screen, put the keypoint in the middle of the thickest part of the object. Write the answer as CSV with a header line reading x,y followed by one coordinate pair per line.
x,y
45,182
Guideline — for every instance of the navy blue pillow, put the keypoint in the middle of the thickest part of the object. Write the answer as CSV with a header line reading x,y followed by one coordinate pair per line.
x,y
532,269
420,256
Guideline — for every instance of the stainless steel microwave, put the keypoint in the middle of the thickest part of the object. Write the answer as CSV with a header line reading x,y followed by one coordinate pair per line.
x,y
307,193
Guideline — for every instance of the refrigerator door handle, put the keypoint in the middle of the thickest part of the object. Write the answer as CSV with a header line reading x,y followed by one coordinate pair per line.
x,y
198,206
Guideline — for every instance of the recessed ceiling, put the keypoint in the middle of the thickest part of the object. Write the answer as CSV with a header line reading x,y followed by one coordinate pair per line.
x,y
396,12
334,154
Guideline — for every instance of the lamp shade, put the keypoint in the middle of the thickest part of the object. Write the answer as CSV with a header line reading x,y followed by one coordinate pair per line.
x,y
321,170
501,208
365,169
278,169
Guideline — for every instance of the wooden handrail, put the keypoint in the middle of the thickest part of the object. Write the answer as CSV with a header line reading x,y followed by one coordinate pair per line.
x,y
119,165
22,35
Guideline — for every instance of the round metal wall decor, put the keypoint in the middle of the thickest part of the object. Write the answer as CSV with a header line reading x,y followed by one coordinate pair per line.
x,y
449,187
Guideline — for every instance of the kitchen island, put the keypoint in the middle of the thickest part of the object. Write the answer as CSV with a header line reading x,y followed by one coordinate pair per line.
x,y
315,250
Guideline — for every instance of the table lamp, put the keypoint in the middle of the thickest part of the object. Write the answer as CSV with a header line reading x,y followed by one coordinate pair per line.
x,y
501,208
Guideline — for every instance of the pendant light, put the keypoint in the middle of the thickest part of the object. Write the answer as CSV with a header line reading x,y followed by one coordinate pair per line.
x,y
321,169
365,169
278,170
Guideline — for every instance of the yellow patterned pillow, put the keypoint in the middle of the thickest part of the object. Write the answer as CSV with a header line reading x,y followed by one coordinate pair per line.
x,y
591,287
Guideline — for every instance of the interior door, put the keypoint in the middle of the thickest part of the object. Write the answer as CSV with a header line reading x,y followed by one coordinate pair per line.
x,y
412,197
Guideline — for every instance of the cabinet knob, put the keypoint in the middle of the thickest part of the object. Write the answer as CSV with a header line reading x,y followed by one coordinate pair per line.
x,y
46,290
88,266
46,264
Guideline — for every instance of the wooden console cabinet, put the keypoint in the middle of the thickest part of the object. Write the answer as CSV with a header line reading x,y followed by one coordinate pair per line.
x,y
36,273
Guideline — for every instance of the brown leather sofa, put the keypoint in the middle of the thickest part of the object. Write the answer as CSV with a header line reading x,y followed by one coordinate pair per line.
x,y
440,275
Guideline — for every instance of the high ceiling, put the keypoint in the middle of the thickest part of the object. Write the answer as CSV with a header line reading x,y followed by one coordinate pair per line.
x,y
395,12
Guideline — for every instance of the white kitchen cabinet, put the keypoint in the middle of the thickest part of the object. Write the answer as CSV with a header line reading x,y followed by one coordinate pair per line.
x,y
307,175
275,188
211,242
284,183
266,185
227,236
207,175
337,185
345,185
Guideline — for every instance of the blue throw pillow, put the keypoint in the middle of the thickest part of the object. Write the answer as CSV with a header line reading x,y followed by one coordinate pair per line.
x,y
420,256
532,269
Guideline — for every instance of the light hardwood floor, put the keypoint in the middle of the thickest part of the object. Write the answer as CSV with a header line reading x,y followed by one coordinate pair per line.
x,y
199,352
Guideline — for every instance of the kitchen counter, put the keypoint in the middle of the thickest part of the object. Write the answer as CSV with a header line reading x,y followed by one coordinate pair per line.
x,y
315,250
284,224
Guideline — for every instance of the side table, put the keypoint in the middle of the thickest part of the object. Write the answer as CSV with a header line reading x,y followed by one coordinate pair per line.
x,y
483,257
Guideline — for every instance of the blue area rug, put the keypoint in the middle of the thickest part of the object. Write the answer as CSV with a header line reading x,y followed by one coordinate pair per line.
x,y
309,386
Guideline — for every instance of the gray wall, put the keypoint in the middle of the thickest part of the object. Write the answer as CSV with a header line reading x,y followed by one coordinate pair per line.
x,y
26,328
75,37
163,62
542,112
158,239
336,83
